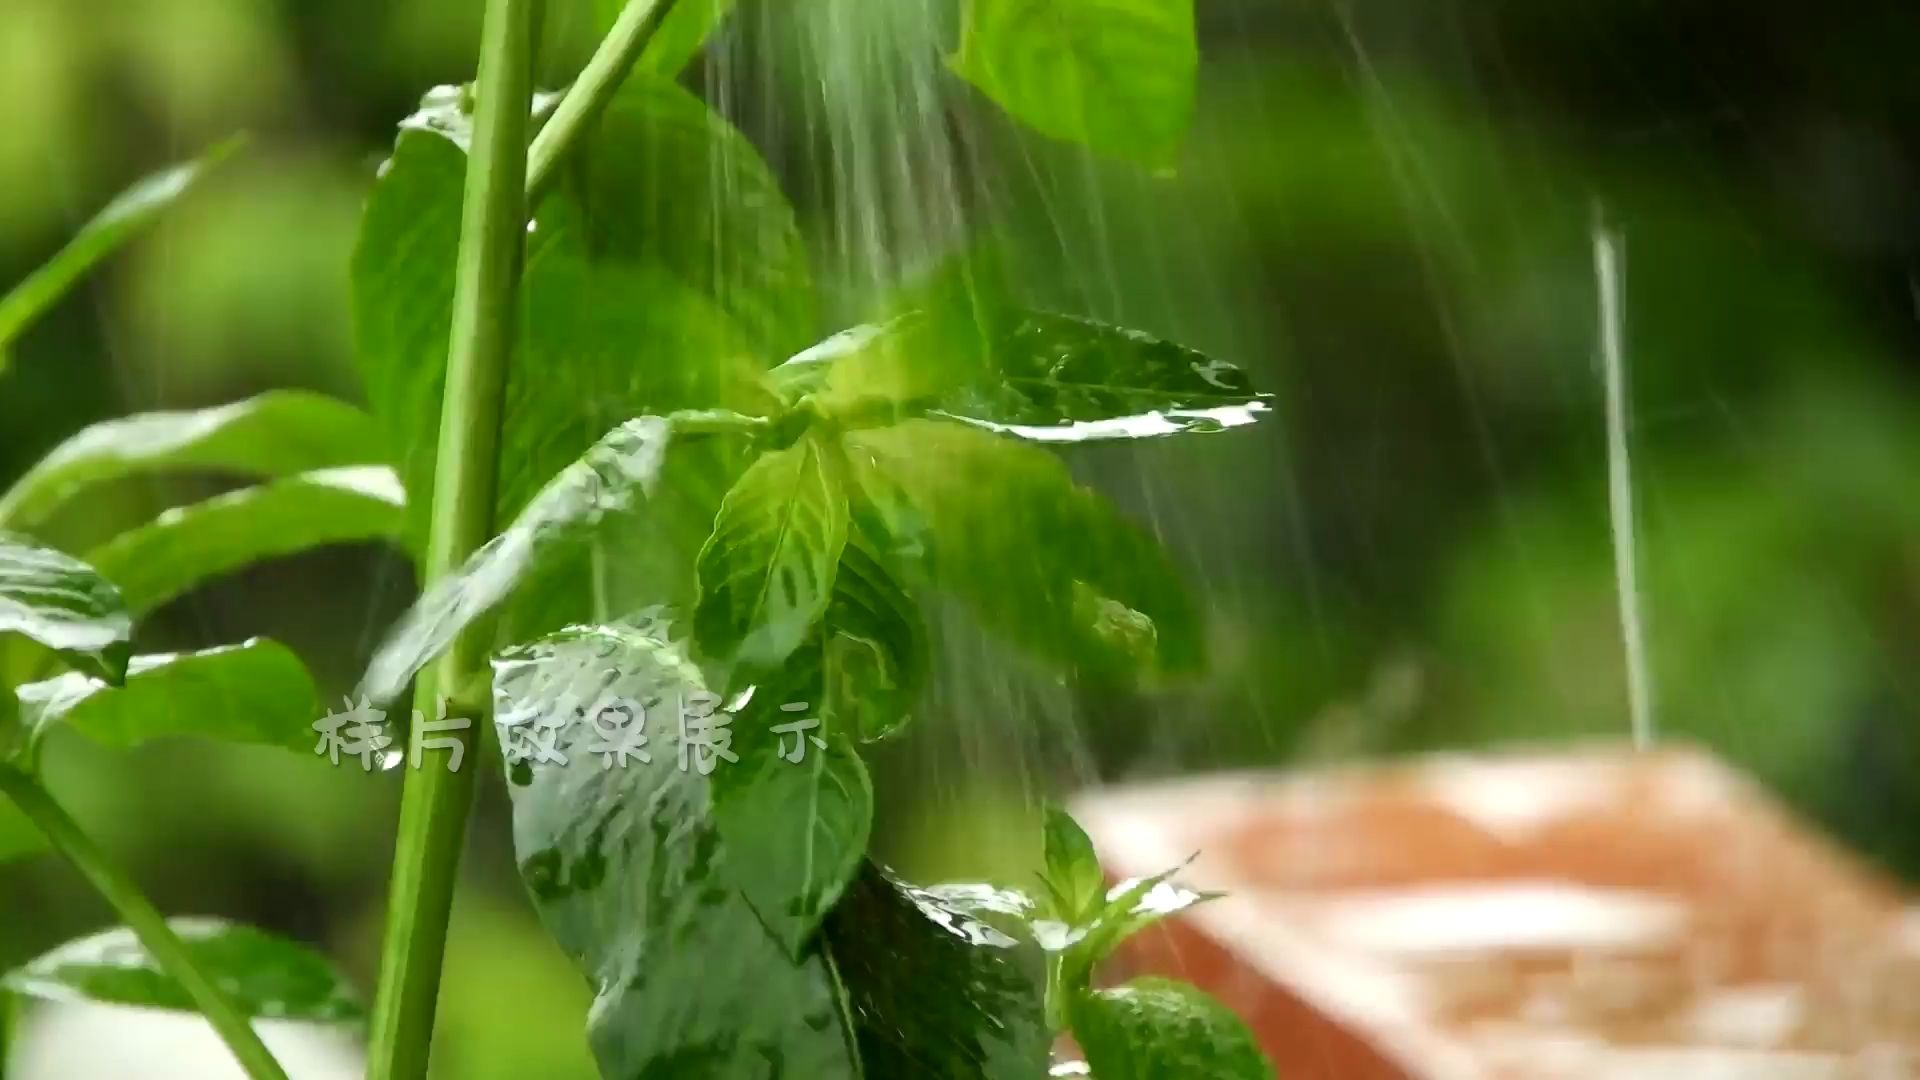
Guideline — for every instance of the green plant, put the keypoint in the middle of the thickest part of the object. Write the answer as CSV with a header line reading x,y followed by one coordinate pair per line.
x,y
513,302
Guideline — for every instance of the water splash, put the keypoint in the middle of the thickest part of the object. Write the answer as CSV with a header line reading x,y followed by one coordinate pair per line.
x,y
1609,271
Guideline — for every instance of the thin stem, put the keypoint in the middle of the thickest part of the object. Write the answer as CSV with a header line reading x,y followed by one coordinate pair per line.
x,y
144,920
598,81
434,804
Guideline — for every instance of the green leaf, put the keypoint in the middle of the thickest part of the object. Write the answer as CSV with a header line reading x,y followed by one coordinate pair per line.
x,y
619,474
64,604
875,656
793,813
1154,1028
253,692
1114,75
1081,944
625,309
933,992
266,977
274,434
98,238
629,875
1109,605
1036,376
1073,870
185,546
767,572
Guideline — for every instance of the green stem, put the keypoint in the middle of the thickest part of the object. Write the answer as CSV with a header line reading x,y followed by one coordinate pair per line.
x,y
144,920
598,81
434,803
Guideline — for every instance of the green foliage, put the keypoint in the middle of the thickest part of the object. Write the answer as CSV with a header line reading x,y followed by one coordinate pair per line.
x,y
275,434
254,692
767,572
117,222
1075,885
267,977
65,605
1159,1029
622,309
1114,75
185,546
687,26
1109,606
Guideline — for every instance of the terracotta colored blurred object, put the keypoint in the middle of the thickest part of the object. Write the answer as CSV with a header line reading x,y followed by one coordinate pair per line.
x,y
1605,914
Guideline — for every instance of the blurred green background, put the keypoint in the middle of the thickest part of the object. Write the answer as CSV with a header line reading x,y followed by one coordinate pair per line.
x,y
1384,210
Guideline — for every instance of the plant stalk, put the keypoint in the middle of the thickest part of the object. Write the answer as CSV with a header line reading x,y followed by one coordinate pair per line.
x,y
144,920
434,803
597,83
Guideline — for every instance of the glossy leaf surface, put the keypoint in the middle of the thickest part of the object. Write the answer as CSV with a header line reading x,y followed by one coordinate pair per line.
x,y
57,600
254,692
1154,1028
188,545
266,977
275,434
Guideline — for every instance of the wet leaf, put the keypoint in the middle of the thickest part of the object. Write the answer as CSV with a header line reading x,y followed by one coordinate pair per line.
x,y
113,226
624,311
793,813
1032,375
685,29
64,604
266,977
767,572
1073,872
274,434
254,692
875,659
1152,1028
994,509
1131,906
187,545
1114,75
933,992
619,474
629,875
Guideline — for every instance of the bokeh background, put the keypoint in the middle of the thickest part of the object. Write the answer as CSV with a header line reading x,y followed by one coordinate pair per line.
x,y
1384,210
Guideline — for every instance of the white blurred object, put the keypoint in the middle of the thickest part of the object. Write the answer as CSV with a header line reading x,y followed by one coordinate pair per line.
x,y
85,1041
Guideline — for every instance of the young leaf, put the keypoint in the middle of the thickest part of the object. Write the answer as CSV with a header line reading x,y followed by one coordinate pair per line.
x,y
64,604
1073,870
267,977
254,692
274,434
933,992
1153,1028
619,473
629,874
98,238
794,812
1114,75
187,545
1108,605
767,572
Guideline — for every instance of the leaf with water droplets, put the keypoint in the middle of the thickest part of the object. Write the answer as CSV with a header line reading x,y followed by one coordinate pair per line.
x,y
767,572
114,225
275,434
64,604
629,873
932,992
266,977
254,692
1031,375
1152,1028
184,546
619,474
794,812
1114,75
1083,942
1109,605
